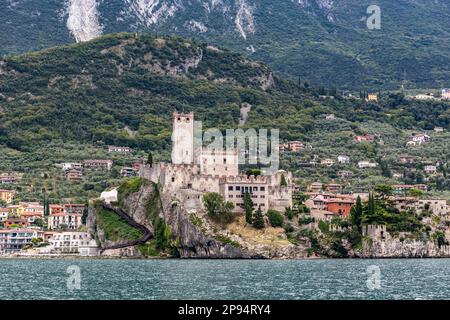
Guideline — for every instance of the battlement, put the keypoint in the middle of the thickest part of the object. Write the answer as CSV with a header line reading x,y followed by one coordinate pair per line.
x,y
183,117
375,231
244,179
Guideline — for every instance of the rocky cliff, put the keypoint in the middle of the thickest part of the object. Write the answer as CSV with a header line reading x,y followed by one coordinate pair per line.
x,y
165,217
146,206
394,248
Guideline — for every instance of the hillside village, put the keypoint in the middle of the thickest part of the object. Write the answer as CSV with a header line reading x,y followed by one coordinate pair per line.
x,y
276,206
352,168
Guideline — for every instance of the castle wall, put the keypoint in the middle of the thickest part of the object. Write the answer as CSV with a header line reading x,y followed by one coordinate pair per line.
x,y
222,162
192,174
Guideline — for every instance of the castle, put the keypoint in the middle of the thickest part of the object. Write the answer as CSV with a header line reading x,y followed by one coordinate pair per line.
x,y
196,170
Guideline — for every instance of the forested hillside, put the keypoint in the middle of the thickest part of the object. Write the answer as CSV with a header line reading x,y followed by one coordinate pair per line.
x,y
66,103
322,42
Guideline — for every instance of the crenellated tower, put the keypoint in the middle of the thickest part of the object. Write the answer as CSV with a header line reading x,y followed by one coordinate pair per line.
x,y
183,138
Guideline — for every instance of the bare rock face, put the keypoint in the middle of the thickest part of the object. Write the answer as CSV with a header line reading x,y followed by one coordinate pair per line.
x,y
129,252
394,248
136,205
192,242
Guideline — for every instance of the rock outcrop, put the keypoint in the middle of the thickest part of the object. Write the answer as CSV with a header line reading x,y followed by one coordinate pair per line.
x,y
394,248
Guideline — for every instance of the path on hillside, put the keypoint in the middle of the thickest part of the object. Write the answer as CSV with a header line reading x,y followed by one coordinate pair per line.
x,y
121,213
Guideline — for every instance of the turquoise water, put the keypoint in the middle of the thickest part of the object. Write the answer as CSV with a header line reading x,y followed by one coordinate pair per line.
x,y
225,279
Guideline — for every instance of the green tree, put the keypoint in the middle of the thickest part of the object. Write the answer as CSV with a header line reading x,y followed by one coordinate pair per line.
x,y
213,202
150,159
248,207
289,213
161,236
217,209
258,221
275,218
38,223
253,172
384,190
416,193
371,205
356,213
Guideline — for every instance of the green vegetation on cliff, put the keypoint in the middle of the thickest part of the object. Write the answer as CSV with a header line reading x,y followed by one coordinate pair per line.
x,y
114,227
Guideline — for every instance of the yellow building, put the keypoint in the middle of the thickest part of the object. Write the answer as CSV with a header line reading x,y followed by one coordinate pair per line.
x,y
6,195
372,97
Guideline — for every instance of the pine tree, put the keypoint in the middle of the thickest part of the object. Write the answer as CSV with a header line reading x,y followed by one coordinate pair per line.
x,y
248,207
258,221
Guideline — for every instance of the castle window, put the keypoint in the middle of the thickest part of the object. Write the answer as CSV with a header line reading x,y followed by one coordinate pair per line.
x,y
255,188
230,188
224,160
187,119
238,188
179,119
173,179
189,186
262,189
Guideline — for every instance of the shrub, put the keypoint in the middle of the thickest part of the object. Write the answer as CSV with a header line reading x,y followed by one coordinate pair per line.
x,y
275,218
217,209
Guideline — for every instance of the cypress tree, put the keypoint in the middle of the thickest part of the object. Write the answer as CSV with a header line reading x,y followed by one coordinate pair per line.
x,y
248,207
150,160
356,213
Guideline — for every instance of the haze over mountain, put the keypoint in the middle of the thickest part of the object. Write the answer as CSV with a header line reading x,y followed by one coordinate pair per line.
x,y
324,42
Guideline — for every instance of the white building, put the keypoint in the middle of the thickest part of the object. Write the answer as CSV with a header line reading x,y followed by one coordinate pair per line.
x,y
420,138
71,220
343,159
446,94
119,149
327,162
13,240
72,166
367,164
424,97
109,196
430,169
72,242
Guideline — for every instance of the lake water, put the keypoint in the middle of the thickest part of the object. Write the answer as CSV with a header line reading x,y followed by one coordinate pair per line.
x,y
225,279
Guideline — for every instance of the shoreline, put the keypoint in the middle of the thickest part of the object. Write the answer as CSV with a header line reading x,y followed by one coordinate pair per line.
x,y
77,257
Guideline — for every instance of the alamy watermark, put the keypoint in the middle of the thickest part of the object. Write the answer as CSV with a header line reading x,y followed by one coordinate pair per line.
x,y
373,22
250,146
74,279
374,277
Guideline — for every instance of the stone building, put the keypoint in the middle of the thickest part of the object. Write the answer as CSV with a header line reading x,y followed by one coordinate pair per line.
x,y
196,171
375,232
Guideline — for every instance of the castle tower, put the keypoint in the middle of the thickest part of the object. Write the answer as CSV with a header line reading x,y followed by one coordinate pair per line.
x,y
183,138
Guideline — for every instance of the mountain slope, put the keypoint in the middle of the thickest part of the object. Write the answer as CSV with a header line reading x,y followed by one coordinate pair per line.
x,y
66,103
324,42
122,89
